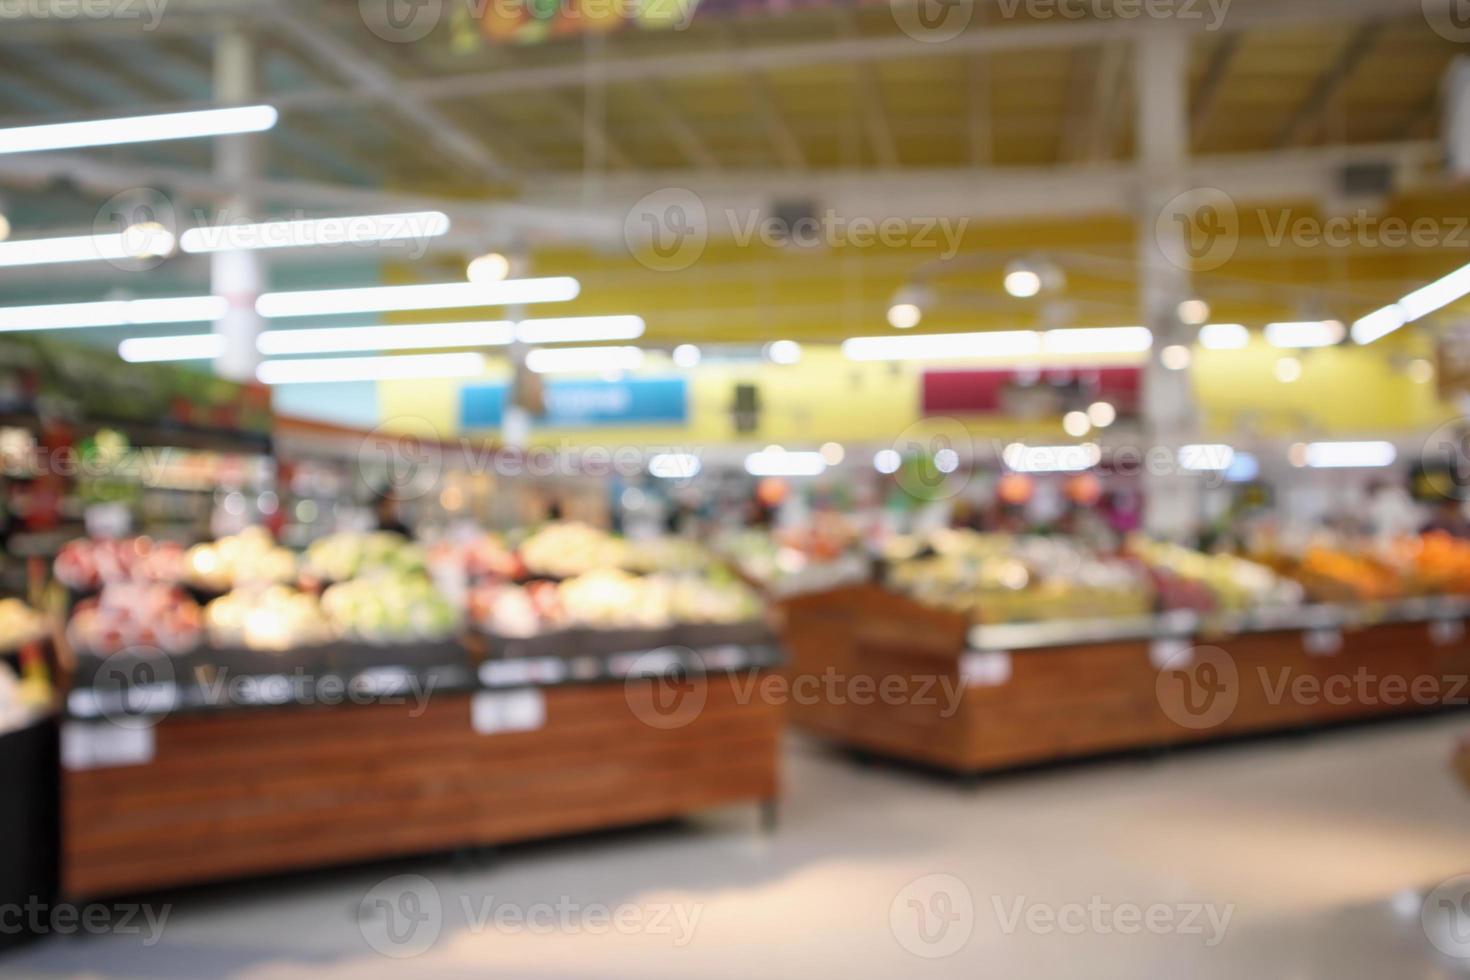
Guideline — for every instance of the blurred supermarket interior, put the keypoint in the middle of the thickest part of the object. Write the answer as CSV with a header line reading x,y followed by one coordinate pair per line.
x,y
716,488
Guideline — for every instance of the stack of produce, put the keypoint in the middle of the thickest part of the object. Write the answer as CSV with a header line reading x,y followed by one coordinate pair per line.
x,y
20,625
86,565
996,578
485,556
385,607
517,611
1435,563
566,550
250,558
1187,579
349,555
613,599
276,618
140,617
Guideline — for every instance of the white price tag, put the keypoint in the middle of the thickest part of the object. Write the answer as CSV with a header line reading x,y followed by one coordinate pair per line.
x,y
494,712
1173,652
989,668
103,745
1322,642
1446,632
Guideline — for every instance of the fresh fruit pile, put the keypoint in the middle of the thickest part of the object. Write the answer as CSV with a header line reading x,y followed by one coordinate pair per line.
x,y
484,556
1187,579
250,558
389,608
996,578
1436,562
275,618
130,616
20,625
565,550
86,565
517,611
348,555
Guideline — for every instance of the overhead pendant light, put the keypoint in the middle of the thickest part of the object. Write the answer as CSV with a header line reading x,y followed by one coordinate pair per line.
x,y
194,347
584,360
1022,281
579,329
1305,334
490,267
147,240
315,232
1194,312
113,313
429,296
339,369
138,129
1224,336
420,336
777,462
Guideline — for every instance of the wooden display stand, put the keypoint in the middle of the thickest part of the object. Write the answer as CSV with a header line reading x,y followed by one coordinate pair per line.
x,y
1021,707
231,793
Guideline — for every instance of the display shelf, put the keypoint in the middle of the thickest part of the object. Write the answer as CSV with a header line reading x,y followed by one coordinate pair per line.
x,y
29,818
1005,696
192,783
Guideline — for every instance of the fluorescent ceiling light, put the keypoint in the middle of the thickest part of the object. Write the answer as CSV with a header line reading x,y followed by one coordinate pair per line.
x,y
1224,336
138,129
1051,459
194,347
113,313
579,329
1350,455
783,352
82,248
1436,296
1244,468
674,466
780,463
356,230
578,360
1311,333
418,336
1206,458
430,296
408,367
1098,340
1379,324
944,346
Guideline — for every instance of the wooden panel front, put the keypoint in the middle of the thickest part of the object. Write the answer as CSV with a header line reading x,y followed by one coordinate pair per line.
x,y
250,792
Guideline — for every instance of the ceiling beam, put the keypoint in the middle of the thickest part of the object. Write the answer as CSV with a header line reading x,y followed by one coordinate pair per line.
x,y
367,76
495,221
869,94
981,129
660,103
733,60
598,146
1207,96
1312,113
783,140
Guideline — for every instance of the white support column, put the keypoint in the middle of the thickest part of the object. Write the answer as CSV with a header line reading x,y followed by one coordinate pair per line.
x,y
1170,413
238,276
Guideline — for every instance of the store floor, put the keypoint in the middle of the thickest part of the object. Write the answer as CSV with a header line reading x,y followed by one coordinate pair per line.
x,y
1285,858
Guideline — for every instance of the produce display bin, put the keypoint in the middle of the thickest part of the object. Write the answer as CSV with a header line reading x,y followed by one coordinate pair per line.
x,y
29,818
1037,693
215,791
